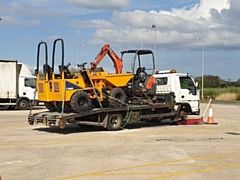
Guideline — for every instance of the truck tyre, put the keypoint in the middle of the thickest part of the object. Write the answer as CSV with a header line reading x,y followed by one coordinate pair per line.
x,y
80,102
117,97
50,106
183,114
23,104
114,122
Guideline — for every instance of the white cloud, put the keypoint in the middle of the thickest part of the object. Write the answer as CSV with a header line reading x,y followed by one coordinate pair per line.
x,y
101,4
201,10
216,22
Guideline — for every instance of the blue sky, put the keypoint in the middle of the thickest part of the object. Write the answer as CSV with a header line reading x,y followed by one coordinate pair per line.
x,y
87,25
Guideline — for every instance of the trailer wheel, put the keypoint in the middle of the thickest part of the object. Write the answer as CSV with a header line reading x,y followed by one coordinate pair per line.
x,y
23,104
80,102
118,96
114,122
50,106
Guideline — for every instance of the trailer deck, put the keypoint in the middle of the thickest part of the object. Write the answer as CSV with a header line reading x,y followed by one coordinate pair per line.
x,y
109,118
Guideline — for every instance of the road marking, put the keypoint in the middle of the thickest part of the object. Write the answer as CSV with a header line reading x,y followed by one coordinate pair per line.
x,y
165,175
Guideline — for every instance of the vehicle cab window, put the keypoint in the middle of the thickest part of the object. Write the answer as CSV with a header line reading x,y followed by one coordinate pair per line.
x,y
187,83
30,82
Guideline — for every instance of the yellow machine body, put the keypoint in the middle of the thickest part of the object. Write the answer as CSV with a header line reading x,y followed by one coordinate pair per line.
x,y
61,89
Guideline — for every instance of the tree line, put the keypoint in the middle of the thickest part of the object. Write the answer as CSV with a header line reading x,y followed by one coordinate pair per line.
x,y
211,81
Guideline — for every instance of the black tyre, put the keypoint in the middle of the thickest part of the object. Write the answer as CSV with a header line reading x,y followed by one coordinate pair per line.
x,y
23,104
118,96
67,107
183,114
115,122
80,102
50,106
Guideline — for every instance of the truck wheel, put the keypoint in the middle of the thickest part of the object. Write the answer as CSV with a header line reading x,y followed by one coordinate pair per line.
x,y
114,122
23,104
118,95
50,106
183,114
80,102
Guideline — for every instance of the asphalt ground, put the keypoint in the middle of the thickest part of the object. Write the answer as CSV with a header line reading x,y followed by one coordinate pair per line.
x,y
140,151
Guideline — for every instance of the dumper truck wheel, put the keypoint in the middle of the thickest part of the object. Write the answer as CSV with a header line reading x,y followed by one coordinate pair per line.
x,y
50,106
117,97
80,102
114,122
23,104
67,107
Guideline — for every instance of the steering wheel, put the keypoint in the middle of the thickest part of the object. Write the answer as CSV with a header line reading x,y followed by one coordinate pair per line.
x,y
82,65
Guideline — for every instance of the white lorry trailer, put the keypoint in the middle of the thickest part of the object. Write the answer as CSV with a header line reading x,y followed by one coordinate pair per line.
x,y
17,87
184,87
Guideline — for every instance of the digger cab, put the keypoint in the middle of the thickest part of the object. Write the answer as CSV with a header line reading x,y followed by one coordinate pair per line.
x,y
140,59
143,68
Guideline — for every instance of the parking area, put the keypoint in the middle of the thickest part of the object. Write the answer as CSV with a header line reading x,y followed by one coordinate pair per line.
x,y
140,151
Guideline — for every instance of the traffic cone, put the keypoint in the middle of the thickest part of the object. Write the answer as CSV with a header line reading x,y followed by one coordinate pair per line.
x,y
210,116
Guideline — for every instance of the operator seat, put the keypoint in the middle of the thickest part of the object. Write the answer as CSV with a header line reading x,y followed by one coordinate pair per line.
x,y
47,69
141,74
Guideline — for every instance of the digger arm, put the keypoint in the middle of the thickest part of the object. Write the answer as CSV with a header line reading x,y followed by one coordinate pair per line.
x,y
114,57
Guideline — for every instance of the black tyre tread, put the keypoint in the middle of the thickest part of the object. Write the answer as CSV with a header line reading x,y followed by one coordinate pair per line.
x,y
23,107
115,92
76,107
50,106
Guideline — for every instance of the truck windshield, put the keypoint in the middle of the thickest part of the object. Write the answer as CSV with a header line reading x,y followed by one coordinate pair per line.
x,y
30,82
187,83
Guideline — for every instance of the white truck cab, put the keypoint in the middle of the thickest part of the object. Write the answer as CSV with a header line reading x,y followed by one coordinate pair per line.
x,y
17,85
26,91
184,87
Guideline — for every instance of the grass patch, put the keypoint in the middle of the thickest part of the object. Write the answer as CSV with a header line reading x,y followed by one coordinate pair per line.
x,y
222,94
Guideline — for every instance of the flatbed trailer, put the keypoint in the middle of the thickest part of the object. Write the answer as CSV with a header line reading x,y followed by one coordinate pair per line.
x,y
109,118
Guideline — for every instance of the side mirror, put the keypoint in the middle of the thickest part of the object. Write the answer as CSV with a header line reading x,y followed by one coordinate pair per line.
x,y
196,83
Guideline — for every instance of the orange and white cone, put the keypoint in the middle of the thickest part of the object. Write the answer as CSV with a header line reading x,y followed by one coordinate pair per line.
x,y
210,116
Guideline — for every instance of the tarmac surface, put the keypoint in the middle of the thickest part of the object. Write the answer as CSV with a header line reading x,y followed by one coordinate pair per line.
x,y
140,151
